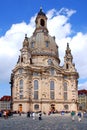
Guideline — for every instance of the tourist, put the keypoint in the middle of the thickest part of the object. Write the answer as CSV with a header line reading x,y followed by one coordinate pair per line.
x,y
5,114
33,115
73,115
28,114
40,115
79,116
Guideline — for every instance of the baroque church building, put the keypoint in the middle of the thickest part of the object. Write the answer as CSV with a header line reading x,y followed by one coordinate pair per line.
x,y
38,82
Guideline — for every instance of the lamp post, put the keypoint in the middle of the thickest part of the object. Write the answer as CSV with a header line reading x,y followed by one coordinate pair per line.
x,y
11,83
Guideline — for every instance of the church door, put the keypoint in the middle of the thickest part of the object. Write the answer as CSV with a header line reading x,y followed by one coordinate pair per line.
x,y
20,107
52,107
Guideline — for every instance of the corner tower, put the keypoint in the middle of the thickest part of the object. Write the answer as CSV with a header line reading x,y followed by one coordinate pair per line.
x,y
68,60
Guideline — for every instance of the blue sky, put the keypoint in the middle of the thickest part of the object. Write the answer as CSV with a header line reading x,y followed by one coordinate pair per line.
x,y
15,11
17,18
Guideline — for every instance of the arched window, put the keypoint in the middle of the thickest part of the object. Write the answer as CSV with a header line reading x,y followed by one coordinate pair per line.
x,y
47,44
35,89
21,83
65,86
52,89
65,90
52,71
30,61
51,85
42,23
67,66
49,61
21,59
21,89
32,44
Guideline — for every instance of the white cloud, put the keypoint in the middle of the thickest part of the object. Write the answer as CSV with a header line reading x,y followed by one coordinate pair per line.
x,y
51,13
83,85
58,26
66,12
10,45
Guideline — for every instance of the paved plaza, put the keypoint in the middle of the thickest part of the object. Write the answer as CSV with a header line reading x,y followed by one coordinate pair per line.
x,y
51,122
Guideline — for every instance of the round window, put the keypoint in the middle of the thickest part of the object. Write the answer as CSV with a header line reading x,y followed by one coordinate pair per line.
x,y
66,107
36,106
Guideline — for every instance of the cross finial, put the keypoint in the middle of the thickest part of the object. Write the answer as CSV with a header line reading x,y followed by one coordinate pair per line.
x,y
67,46
25,35
40,8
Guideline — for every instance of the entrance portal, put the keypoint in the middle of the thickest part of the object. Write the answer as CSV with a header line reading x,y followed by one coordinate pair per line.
x,y
52,108
20,108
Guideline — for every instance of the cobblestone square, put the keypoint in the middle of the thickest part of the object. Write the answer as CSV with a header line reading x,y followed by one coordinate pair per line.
x,y
52,122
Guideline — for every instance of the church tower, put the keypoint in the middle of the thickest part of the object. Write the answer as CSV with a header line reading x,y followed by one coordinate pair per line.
x,y
41,22
68,60
38,82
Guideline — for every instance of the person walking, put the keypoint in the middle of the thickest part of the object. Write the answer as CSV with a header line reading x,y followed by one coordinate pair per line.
x,y
40,115
28,114
79,116
73,115
5,114
33,114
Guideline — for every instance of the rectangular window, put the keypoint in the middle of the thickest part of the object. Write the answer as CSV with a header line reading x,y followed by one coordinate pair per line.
x,y
35,74
65,76
21,84
21,91
47,44
65,95
52,85
32,45
65,88
21,96
49,61
52,94
35,94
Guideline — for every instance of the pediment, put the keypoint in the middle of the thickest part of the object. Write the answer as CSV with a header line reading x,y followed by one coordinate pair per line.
x,y
58,70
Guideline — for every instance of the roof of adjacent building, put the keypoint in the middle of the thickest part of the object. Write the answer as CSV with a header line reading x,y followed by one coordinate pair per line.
x,y
83,91
5,98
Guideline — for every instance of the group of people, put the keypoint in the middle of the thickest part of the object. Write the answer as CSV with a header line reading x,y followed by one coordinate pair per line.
x,y
5,114
32,114
78,114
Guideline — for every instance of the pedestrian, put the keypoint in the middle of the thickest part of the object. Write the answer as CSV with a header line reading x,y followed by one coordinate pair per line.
x,y
79,116
33,115
28,114
40,115
5,114
19,113
0,114
73,115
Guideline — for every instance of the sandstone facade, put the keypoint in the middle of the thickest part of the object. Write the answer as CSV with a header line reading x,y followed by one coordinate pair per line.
x,y
38,82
